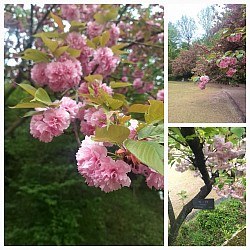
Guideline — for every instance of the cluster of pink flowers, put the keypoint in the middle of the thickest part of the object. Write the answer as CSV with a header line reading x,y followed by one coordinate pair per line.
x,y
94,29
231,72
203,81
59,75
106,61
221,152
182,166
70,12
49,124
92,118
153,179
235,190
235,38
100,170
227,61
160,95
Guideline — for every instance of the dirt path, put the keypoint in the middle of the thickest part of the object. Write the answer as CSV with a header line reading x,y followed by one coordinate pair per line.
x,y
187,182
217,103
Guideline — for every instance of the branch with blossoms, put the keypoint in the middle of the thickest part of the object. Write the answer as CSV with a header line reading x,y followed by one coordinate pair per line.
x,y
72,72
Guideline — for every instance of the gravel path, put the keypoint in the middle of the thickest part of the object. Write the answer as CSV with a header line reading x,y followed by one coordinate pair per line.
x,y
187,182
216,104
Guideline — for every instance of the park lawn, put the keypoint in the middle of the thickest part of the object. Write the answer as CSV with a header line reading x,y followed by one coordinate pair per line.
x,y
188,103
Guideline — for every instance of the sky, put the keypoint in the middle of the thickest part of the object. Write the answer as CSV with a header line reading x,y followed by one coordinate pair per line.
x,y
175,11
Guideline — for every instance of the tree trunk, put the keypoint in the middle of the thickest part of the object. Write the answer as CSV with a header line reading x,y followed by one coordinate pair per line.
x,y
198,162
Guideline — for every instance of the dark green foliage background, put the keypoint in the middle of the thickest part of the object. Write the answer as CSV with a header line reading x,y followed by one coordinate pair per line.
x,y
48,203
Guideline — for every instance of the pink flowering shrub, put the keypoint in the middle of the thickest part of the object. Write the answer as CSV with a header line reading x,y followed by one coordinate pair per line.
x,y
234,38
160,95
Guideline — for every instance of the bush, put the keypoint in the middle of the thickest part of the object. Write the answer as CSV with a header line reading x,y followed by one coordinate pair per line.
x,y
213,227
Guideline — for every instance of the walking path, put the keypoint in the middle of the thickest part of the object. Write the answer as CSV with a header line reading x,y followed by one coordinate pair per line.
x,y
216,104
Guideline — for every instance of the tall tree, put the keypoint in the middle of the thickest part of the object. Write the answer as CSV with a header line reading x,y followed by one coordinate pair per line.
x,y
187,27
206,19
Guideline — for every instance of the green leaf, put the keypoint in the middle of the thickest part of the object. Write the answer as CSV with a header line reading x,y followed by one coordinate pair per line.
x,y
155,112
28,88
104,38
74,52
91,44
42,96
35,55
58,21
148,152
238,131
31,113
138,108
120,97
47,34
113,103
152,132
103,18
77,26
59,51
52,45
114,134
23,105
115,85
93,78
116,49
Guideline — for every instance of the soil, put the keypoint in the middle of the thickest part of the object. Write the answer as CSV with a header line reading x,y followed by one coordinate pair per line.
x,y
217,103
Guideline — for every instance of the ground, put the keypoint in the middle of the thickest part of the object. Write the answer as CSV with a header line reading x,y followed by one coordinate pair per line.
x,y
217,103
185,181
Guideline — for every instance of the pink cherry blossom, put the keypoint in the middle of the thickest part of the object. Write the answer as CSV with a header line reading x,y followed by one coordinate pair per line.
x,y
38,74
63,74
70,12
137,83
160,95
75,40
70,106
106,61
100,170
155,180
114,35
94,29
49,124
231,72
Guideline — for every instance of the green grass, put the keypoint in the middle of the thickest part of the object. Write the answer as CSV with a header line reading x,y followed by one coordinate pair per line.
x,y
213,227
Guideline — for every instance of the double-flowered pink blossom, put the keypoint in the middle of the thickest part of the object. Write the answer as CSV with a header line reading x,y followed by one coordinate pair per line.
x,y
94,29
221,152
49,124
227,61
92,118
234,38
203,82
38,74
231,72
106,61
64,73
75,40
100,170
155,180
70,106
70,12
160,95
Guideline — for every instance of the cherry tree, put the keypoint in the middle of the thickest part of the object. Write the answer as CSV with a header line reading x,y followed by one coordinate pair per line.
x,y
218,156
96,71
